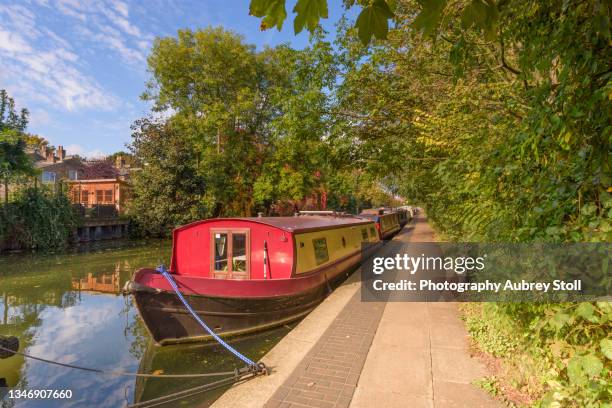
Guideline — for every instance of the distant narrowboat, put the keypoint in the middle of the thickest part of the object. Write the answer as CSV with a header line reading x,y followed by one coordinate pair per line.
x,y
387,223
248,274
403,217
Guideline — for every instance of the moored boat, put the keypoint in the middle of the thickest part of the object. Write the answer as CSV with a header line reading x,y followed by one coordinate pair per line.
x,y
242,275
387,222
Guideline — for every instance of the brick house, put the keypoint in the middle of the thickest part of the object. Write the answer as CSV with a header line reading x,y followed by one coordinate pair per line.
x,y
54,165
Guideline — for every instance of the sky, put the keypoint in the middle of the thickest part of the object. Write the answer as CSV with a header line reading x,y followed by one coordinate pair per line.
x,y
79,66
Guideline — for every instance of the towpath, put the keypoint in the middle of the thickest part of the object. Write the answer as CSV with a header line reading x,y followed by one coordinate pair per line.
x,y
349,353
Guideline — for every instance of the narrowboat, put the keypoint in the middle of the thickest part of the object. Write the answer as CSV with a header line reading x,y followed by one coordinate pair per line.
x,y
387,223
243,275
403,217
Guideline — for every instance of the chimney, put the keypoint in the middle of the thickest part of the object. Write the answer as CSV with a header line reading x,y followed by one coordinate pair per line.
x,y
119,162
49,155
61,153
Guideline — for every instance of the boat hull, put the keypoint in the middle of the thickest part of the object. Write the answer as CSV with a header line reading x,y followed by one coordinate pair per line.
x,y
242,307
169,322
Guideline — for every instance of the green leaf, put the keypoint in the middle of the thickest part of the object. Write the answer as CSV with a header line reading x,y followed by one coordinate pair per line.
x,y
373,20
430,15
606,348
272,11
474,14
592,365
309,12
559,320
587,312
581,369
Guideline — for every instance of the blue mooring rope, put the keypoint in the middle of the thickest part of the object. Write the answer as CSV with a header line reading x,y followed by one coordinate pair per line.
x,y
161,269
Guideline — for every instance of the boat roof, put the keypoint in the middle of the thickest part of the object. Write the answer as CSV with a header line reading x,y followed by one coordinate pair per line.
x,y
301,223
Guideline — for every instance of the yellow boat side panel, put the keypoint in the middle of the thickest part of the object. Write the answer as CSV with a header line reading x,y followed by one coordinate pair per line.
x,y
389,222
319,248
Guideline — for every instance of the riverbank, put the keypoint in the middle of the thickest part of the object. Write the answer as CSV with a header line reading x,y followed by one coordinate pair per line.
x,y
353,353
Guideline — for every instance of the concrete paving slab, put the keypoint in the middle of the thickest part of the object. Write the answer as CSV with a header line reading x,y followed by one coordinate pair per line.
x,y
455,395
453,366
397,369
367,398
453,336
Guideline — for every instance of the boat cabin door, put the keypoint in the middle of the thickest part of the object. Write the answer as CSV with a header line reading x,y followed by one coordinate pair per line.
x,y
230,257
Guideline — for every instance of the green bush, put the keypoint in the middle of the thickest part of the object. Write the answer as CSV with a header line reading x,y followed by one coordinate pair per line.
x,y
37,219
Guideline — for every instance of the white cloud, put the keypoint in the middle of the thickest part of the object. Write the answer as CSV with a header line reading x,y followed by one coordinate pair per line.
x,y
40,66
81,151
108,23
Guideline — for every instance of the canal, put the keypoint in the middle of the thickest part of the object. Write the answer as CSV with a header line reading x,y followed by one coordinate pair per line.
x,y
68,307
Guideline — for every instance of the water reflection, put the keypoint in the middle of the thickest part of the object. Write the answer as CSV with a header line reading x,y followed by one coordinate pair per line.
x,y
68,308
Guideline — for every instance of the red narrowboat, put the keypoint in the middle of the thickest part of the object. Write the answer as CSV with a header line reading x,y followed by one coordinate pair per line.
x,y
242,275
387,223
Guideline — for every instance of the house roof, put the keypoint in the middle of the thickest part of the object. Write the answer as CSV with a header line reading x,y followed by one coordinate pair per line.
x,y
294,224
92,181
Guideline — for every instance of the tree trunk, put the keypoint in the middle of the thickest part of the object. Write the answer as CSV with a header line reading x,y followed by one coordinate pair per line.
x,y
6,190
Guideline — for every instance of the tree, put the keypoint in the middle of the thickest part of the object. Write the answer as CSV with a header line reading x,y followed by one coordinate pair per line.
x,y
14,161
125,157
504,135
9,118
168,191
225,97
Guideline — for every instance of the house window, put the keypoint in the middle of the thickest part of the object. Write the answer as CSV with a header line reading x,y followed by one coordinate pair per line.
x,y
84,197
48,177
320,250
73,174
104,196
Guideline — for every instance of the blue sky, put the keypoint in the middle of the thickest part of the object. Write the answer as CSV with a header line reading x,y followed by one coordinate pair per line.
x,y
79,66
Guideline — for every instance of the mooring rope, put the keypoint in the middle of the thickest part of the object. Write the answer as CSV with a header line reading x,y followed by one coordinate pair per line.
x,y
118,373
161,269
192,391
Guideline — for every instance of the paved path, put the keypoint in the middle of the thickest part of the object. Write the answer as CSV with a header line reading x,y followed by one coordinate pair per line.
x,y
419,356
395,354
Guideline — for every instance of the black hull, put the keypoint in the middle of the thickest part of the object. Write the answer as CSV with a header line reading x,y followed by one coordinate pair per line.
x,y
169,322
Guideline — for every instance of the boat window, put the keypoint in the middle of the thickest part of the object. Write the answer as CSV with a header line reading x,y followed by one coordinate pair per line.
x,y
220,252
343,241
320,249
238,252
364,234
372,232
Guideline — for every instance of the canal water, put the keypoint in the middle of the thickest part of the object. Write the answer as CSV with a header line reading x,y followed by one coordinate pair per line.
x,y
68,307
